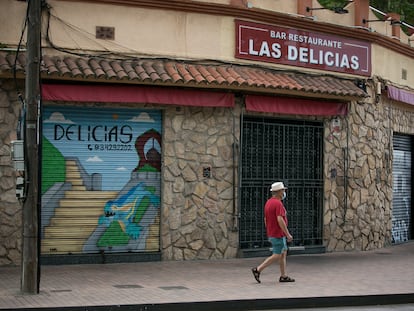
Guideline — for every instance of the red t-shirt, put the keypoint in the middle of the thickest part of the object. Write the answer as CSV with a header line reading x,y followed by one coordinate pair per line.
x,y
273,208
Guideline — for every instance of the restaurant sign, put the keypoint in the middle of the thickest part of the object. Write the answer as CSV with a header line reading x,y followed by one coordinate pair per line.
x,y
288,46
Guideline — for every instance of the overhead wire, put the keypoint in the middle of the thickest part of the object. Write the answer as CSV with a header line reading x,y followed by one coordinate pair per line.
x,y
20,123
103,53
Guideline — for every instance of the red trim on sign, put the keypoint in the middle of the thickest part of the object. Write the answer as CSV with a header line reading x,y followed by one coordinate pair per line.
x,y
296,106
302,48
401,95
136,94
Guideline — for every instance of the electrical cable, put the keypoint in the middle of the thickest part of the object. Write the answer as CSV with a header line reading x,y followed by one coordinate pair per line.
x,y
97,53
104,55
20,124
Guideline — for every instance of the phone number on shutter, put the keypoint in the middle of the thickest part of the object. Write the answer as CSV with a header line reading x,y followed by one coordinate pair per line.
x,y
109,147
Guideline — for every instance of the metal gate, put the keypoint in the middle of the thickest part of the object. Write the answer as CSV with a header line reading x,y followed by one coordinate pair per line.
x,y
288,151
402,189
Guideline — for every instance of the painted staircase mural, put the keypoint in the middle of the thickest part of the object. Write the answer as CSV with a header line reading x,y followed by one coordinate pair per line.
x,y
76,216
86,206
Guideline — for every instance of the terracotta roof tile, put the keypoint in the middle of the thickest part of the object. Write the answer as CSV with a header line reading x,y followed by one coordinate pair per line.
x,y
62,67
50,65
10,59
150,71
97,68
236,75
160,69
73,66
119,70
172,71
264,78
107,68
181,73
196,74
187,77
142,74
219,78
132,75
206,74
223,72
86,69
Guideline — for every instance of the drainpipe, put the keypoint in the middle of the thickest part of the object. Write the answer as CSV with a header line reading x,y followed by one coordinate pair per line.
x,y
235,184
346,155
236,203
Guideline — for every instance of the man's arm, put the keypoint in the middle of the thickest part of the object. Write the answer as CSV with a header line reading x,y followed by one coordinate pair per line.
x,y
282,225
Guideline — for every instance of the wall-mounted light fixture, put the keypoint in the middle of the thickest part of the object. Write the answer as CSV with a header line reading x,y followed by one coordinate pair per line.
x,y
361,84
337,10
366,21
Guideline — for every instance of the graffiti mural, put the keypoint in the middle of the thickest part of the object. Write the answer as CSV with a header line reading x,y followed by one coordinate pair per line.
x,y
100,180
401,213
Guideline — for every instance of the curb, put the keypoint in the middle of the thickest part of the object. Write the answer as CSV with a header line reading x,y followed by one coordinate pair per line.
x,y
250,304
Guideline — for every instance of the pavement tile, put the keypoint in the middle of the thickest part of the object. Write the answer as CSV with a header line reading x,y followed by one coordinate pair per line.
x,y
386,273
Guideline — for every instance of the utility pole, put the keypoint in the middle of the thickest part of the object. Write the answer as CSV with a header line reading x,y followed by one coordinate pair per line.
x,y
30,275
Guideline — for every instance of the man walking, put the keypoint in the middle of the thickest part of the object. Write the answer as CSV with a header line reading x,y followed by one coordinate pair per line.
x,y
277,231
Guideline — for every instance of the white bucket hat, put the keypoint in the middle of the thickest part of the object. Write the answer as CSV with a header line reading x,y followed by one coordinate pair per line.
x,y
277,186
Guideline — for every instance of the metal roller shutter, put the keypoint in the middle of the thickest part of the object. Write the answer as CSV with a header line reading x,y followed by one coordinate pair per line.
x,y
100,180
402,189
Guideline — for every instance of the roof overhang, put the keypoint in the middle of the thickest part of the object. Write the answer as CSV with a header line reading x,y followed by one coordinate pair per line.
x,y
186,74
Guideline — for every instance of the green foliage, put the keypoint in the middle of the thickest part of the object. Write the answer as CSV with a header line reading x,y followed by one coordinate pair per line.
x,y
403,7
53,169
333,3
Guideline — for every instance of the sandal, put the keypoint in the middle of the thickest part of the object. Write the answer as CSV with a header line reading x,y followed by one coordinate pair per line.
x,y
285,279
256,274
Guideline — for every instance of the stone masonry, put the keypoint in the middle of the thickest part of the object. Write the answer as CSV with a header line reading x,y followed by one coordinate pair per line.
x,y
197,211
199,218
10,208
358,175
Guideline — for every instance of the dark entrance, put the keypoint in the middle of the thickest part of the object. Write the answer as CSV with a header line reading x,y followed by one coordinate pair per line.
x,y
288,151
402,204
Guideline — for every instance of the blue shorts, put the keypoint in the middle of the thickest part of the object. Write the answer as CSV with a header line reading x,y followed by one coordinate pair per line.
x,y
278,245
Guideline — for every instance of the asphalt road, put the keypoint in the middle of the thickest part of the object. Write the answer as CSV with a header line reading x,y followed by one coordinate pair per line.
x,y
402,307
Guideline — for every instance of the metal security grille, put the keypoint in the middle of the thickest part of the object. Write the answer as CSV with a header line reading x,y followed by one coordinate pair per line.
x,y
402,189
288,151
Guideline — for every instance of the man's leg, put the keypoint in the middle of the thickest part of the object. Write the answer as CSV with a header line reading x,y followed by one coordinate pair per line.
x,y
282,264
277,248
268,261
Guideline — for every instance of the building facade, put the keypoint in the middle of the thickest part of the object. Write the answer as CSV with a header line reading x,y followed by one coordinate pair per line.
x,y
164,123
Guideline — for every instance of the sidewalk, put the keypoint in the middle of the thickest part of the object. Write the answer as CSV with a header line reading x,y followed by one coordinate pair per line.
x,y
384,276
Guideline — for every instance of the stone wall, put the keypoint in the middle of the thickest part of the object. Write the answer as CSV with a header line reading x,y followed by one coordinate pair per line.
x,y
10,209
199,218
402,117
358,175
197,211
